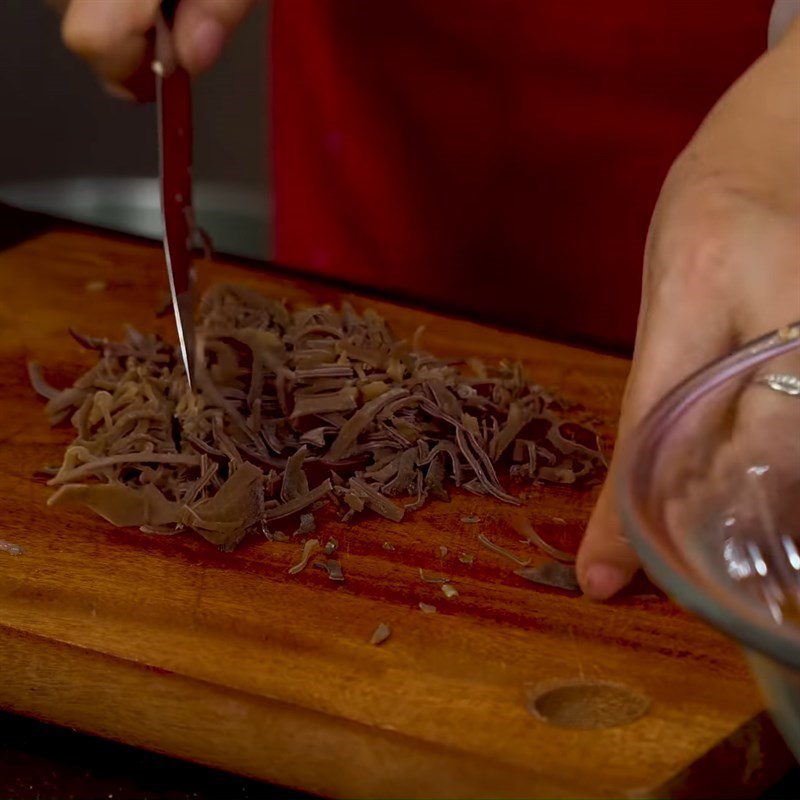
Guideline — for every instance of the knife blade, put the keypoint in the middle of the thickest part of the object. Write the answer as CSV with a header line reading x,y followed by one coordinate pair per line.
x,y
174,104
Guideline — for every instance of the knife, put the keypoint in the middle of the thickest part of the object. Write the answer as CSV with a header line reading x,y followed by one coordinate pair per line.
x,y
174,103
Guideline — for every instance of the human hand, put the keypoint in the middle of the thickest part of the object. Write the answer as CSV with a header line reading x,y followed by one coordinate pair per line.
x,y
721,266
116,37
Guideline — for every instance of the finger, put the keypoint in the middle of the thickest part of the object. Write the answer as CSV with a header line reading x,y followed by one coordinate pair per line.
x,y
732,518
202,29
765,488
768,418
678,332
605,562
765,417
113,36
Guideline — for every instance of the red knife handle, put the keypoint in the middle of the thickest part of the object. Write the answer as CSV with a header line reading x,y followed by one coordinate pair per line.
x,y
176,150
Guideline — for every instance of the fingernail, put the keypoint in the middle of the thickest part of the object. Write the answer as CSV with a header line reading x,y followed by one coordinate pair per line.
x,y
604,580
117,91
208,39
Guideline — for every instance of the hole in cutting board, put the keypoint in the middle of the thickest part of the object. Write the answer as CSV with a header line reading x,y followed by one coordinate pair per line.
x,y
587,705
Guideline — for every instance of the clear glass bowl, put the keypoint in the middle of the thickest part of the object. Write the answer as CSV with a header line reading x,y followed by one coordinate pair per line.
x,y
709,491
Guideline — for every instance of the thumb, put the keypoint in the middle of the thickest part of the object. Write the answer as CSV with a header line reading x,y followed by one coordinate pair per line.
x,y
202,28
112,36
676,336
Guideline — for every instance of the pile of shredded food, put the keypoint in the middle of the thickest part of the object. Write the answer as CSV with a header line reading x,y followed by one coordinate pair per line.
x,y
293,410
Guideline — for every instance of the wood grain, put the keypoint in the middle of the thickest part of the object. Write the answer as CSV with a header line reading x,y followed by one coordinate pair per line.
x,y
165,643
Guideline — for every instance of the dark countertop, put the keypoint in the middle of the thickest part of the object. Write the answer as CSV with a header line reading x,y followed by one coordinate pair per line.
x,y
39,761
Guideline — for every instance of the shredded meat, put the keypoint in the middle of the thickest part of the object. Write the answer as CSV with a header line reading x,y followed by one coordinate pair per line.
x,y
291,408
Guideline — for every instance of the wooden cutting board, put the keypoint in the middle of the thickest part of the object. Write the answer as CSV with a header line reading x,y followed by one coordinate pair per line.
x,y
165,643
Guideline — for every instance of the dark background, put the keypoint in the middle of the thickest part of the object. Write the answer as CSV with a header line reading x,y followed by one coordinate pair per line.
x,y
57,122
70,149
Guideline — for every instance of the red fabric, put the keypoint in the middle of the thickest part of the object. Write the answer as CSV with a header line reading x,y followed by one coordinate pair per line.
x,y
500,157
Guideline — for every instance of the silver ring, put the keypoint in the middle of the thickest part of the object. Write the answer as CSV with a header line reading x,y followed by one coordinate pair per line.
x,y
781,382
